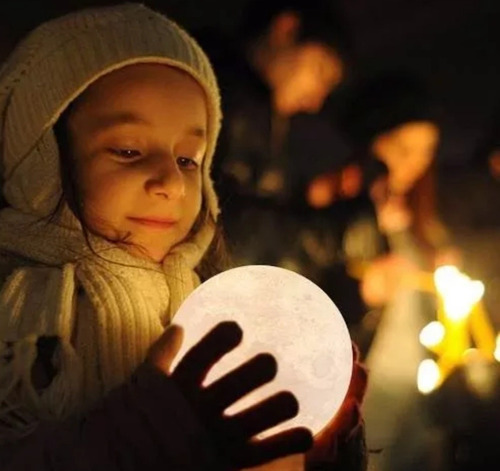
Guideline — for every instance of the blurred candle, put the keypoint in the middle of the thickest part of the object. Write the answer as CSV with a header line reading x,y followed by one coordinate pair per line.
x,y
458,292
497,349
432,334
429,376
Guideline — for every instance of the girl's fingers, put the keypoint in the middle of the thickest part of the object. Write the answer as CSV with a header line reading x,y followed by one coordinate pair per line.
x,y
230,388
290,442
164,350
194,366
261,417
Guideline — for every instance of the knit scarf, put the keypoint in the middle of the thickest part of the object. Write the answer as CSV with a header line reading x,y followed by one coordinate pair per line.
x,y
128,300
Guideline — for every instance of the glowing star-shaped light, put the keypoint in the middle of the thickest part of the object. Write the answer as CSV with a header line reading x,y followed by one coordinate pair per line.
x,y
458,291
285,314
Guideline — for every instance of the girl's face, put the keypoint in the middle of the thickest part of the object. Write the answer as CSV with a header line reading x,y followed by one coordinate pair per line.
x,y
138,136
408,151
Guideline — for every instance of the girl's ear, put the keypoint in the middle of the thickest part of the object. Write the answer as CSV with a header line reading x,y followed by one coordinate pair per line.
x,y
284,29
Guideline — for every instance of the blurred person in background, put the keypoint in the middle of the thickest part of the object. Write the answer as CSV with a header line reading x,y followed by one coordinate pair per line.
x,y
393,127
288,58
391,231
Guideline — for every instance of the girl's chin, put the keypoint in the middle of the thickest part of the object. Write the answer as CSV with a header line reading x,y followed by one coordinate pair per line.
x,y
152,254
138,245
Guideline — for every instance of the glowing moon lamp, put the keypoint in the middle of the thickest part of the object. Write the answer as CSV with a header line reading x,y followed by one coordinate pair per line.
x,y
287,315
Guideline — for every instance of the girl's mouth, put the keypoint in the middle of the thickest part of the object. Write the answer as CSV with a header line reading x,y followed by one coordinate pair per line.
x,y
154,222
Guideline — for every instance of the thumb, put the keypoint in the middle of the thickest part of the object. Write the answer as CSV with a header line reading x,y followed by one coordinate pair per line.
x,y
163,352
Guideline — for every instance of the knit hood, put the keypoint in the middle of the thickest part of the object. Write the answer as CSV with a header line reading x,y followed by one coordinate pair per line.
x,y
56,63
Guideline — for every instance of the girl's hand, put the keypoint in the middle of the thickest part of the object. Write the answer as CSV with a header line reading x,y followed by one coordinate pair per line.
x,y
346,424
232,434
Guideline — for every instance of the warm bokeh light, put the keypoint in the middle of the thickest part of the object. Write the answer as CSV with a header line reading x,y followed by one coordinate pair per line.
x,y
458,292
497,349
432,334
471,354
478,373
428,377
287,315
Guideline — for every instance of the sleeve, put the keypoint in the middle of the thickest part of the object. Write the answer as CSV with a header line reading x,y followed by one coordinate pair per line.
x,y
351,455
144,424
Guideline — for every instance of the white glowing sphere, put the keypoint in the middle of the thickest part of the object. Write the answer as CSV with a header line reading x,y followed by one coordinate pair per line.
x,y
287,315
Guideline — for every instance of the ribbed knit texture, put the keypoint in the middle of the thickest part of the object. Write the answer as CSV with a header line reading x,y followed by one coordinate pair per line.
x,y
106,309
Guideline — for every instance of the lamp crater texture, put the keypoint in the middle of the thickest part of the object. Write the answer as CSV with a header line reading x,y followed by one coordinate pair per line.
x,y
287,315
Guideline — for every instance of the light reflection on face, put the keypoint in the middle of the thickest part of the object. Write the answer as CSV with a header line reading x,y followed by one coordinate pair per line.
x,y
138,136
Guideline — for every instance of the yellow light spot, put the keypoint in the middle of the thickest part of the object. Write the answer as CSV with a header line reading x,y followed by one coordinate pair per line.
x,y
458,292
432,334
497,349
429,376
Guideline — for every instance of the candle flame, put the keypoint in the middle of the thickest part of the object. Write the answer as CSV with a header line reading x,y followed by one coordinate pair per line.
x,y
458,292
497,349
432,334
429,376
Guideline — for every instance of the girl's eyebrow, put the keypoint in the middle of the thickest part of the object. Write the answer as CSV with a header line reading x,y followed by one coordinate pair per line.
x,y
197,132
104,122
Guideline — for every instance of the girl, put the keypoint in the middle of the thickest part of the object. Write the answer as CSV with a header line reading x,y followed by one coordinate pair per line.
x,y
109,123
98,257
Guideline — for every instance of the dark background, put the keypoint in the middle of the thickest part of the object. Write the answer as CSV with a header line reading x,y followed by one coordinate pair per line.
x,y
453,44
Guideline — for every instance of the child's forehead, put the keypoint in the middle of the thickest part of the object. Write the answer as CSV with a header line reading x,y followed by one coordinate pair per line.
x,y
142,83
142,95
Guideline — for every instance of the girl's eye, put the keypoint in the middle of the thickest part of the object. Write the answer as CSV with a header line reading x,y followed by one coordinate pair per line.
x,y
187,163
126,154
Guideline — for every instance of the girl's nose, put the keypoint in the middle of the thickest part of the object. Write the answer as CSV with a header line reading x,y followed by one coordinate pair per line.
x,y
166,178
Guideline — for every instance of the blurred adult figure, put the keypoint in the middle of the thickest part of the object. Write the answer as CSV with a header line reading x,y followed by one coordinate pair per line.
x,y
290,55
393,126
